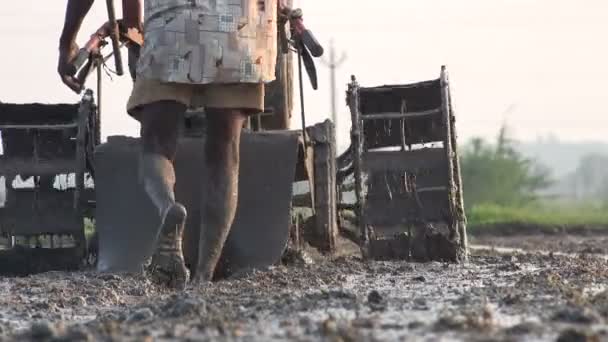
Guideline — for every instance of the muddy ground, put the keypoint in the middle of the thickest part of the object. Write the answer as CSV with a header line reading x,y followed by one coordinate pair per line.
x,y
500,295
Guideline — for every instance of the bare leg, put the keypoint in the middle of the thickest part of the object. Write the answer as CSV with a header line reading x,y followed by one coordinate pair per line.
x,y
220,187
159,125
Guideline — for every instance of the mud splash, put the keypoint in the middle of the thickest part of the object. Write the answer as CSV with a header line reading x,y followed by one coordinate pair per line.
x,y
510,296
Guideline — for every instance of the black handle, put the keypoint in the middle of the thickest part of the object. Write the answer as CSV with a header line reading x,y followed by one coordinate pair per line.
x,y
81,58
84,72
313,45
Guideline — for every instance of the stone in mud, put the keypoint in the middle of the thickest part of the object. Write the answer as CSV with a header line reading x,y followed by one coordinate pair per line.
x,y
420,304
365,323
91,300
180,307
573,335
75,334
296,257
78,302
41,331
512,299
245,272
415,325
452,322
329,327
375,301
421,279
141,314
343,294
525,328
577,315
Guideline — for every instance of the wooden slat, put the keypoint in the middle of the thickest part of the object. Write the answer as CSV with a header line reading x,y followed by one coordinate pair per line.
x,y
402,208
405,115
12,166
40,127
427,158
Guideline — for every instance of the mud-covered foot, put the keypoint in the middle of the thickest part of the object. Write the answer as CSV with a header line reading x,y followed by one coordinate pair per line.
x,y
168,267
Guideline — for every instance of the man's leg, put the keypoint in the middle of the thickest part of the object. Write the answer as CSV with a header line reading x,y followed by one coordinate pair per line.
x,y
220,186
159,129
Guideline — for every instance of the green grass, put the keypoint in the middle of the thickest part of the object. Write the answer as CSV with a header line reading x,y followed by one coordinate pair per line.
x,y
541,214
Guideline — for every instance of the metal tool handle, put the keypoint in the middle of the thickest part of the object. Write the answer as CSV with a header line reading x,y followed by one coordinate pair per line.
x,y
115,37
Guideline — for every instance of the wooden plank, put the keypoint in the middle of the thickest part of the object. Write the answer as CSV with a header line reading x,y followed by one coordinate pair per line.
x,y
415,160
323,138
386,133
405,115
15,166
395,181
40,127
402,208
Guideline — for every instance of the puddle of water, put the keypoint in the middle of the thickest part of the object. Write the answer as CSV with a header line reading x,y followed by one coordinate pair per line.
x,y
512,250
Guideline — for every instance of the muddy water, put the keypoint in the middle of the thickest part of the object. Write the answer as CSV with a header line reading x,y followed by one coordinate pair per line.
x,y
504,296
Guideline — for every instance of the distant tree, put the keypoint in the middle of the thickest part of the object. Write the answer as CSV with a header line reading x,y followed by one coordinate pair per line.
x,y
497,173
592,175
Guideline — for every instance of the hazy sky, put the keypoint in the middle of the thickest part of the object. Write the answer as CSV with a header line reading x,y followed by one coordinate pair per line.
x,y
539,64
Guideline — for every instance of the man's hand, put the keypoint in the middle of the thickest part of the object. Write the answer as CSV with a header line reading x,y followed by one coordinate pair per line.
x,y
75,12
66,70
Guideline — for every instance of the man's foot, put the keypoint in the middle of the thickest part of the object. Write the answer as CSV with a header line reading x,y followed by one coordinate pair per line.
x,y
168,267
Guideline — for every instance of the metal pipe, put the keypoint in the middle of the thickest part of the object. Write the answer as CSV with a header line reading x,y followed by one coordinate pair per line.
x,y
115,37
301,85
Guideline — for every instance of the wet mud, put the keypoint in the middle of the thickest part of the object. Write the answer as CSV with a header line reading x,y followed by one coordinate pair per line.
x,y
499,295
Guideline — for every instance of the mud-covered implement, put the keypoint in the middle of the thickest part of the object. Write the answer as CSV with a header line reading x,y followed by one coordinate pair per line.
x,y
408,193
46,157
126,219
270,163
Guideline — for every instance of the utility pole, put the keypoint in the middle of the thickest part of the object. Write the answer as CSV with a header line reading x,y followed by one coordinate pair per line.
x,y
333,64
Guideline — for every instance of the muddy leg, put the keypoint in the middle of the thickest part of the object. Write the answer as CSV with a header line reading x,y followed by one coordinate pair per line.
x,y
159,125
220,187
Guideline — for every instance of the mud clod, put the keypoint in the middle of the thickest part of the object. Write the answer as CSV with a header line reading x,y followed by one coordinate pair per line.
x,y
42,331
139,315
420,304
525,328
75,334
180,307
375,301
573,335
78,301
577,315
421,279
415,325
